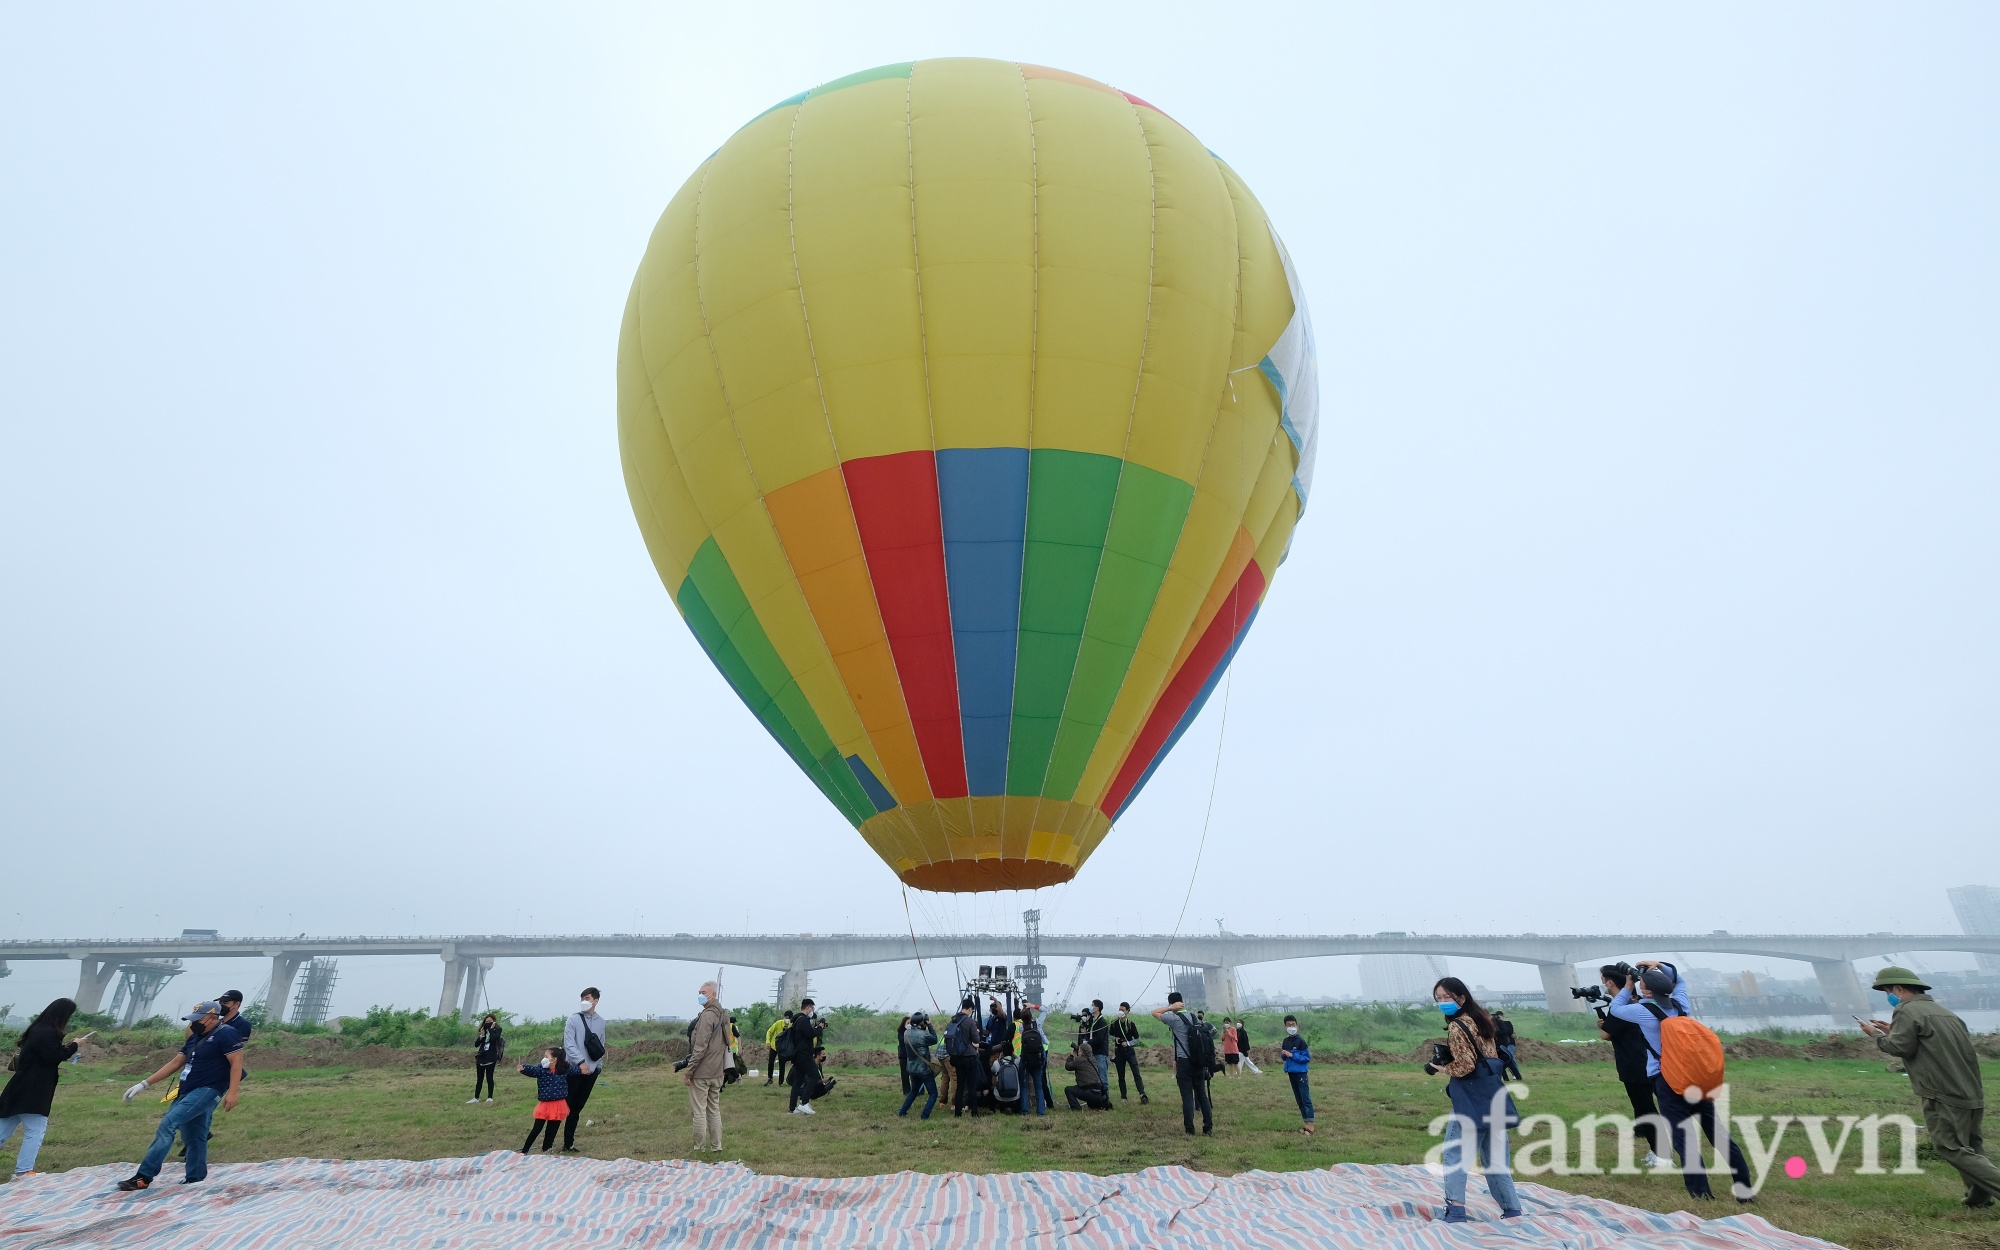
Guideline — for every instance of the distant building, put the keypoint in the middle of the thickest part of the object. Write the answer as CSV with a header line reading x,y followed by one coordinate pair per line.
x,y
1400,978
1978,908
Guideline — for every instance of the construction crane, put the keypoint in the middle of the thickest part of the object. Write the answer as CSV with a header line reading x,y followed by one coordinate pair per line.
x,y
1074,977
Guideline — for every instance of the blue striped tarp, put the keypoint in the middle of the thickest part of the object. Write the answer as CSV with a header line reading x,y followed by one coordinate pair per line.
x,y
504,1199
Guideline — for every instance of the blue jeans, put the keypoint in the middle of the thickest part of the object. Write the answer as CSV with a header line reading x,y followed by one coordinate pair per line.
x,y
1103,1063
33,1129
189,1116
1302,1091
1499,1182
1031,1086
919,1083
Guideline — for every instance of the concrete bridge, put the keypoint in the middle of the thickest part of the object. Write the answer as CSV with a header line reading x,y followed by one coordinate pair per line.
x,y
468,958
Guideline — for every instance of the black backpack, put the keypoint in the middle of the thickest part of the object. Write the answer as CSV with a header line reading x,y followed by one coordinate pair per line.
x,y
1201,1046
1007,1080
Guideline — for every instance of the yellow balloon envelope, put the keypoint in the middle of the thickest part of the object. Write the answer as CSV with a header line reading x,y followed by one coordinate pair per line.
x,y
967,409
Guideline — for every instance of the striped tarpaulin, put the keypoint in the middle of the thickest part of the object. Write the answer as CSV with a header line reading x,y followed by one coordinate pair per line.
x,y
504,1199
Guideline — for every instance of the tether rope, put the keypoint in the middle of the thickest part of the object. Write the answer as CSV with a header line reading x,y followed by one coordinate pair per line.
x,y
1215,777
909,920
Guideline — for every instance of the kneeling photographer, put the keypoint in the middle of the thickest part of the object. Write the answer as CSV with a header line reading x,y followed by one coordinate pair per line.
x,y
1628,1054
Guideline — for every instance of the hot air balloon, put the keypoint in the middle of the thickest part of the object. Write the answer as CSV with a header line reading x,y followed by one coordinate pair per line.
x,y
966,409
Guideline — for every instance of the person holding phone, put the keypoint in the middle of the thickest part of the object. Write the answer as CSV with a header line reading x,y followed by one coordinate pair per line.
x,y
31,1091
1938,1057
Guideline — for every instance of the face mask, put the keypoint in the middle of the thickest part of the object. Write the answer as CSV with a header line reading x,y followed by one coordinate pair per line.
x,y
1292,1029
1895,1000
1448,1008
701,998
586,1005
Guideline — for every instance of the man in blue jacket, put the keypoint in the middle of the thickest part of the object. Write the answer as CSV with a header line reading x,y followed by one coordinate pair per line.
x,y
1298,1058
1663,993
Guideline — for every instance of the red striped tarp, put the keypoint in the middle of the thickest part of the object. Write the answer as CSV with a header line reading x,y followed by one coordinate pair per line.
x,y
504,1199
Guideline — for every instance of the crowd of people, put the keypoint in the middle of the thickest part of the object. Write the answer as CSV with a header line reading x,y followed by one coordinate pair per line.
x,y
998,1062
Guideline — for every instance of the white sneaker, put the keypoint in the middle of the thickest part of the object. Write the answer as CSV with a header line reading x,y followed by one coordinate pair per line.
x,y
470,1101
804,1108
1653,1161
489,1100
1742,1192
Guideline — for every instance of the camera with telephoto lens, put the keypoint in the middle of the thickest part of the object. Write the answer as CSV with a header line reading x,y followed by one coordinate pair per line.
x,y
1440,1054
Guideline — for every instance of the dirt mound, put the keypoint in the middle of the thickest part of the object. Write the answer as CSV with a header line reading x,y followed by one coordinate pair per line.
x,y
1762,1048
666,1047
1837,1047
318,1052
1530,1050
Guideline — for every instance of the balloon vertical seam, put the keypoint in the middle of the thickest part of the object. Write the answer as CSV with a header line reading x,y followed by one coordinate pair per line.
x,y
930,416
1131,415
722,386
1034,345
833,440
1227,394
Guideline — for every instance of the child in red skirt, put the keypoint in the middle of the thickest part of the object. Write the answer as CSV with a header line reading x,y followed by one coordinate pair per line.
x,y
552,1096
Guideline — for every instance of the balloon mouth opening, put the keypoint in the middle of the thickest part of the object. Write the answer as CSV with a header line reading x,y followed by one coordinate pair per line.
x,y
966,875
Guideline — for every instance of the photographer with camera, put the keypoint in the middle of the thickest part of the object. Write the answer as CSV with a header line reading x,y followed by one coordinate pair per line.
x,y
1097,1032
1124,1040
1194,1059
1470,1056
1089,1090
1653,993
914,1044
1628,1055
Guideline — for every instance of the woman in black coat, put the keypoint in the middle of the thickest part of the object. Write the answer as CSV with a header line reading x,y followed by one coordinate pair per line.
x,y
31,1091
487,1051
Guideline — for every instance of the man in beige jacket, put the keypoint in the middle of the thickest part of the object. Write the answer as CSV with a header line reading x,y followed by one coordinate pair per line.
x,y
708,1057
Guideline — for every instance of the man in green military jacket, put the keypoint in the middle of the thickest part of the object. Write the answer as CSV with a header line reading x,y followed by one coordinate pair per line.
x,y
1937,1052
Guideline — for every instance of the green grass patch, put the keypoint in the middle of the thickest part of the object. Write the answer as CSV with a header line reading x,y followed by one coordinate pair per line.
x,y
1366,1115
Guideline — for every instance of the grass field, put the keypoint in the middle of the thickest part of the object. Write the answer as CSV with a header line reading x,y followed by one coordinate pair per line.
x,y
1366,1114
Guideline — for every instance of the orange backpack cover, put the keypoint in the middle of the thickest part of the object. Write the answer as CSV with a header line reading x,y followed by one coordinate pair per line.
x,y
1690,1056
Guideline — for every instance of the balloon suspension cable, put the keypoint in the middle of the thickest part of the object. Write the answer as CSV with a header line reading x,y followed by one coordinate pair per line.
x,y
1214,777
909,920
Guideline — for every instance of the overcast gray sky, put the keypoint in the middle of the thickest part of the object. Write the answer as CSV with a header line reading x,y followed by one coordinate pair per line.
x,y
1649,583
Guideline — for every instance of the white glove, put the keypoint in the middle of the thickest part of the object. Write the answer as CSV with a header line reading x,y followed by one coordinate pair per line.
x,y
136,1090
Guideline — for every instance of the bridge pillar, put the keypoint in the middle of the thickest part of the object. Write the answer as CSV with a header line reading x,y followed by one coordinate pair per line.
x,y
792,985
284,970
1557,981
475,986
92,981
1840,987
1221,984
454,976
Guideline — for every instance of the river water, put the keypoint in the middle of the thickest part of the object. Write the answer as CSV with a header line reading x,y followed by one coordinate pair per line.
x,y
1977,1021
